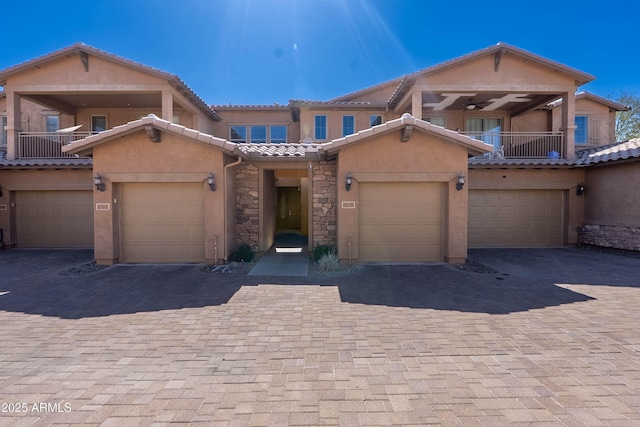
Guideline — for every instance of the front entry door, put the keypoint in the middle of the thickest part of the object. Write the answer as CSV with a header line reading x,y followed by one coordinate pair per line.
x,y
288,212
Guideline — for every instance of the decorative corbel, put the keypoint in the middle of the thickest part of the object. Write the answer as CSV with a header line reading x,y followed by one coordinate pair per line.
x,y
84,57
153,133
406,133
498,58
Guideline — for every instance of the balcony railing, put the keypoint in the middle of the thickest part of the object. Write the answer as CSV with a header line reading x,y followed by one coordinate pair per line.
x,y
46,145
523,145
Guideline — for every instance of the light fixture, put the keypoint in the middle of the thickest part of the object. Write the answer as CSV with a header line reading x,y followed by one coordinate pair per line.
x,y
97,181
347,184
460,183
212,182
579,189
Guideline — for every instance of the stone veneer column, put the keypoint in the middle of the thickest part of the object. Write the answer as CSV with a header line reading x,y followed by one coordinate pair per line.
x,y
324,204
247,205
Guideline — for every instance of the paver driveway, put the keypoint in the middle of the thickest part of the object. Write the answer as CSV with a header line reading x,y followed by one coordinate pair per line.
x,y
552,339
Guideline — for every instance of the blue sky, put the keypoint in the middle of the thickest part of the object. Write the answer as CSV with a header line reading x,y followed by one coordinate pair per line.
x,y
266,51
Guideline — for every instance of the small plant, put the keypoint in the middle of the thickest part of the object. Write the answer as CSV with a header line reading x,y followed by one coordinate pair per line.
x,y
328,262
244,253
321,250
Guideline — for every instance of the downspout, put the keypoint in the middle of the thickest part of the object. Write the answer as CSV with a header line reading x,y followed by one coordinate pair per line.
x,y
224,199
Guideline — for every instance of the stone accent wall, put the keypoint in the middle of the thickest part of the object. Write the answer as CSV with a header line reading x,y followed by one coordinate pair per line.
x,y
324,204
247,205
610,236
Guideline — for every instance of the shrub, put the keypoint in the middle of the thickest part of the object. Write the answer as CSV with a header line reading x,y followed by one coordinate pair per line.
x,y
328,262
321,250
244,253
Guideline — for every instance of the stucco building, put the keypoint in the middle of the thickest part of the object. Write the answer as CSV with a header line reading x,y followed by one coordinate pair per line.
x,y
497,148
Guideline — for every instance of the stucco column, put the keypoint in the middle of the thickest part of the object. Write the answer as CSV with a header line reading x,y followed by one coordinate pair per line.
x,y
14,123
167,105
416,104
569,124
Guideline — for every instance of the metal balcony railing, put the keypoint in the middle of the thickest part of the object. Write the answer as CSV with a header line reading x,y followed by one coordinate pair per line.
x,y
523,145
46,145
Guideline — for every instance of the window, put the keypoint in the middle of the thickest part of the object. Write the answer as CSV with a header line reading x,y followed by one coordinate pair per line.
x,y
52,123
348,125
98,123
438,121
3,130
320,127
375,120
239,134
582,130
278,134
485,129
258,134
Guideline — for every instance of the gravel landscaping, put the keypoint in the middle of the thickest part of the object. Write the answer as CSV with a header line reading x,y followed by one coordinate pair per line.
x,y
475,267
229,268
87,268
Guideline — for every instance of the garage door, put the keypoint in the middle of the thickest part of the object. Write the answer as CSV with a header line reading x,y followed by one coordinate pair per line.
x,y
515,218
54,219
400,222
162,222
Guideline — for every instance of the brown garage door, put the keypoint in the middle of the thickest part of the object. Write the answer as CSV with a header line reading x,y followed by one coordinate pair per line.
x,y
400,222
162,222
54,219
515,218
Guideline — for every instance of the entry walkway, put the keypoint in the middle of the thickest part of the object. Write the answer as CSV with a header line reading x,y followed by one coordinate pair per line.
x,y
287,257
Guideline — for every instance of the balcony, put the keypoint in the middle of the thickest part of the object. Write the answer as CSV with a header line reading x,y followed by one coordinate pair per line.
x,y
522,145
46,145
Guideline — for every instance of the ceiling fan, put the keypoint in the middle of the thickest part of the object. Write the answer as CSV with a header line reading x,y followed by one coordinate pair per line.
x,y
474,105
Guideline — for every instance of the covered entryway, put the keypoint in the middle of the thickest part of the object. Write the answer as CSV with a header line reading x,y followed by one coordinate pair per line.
x,y
515,218
162,222
54,219
400,222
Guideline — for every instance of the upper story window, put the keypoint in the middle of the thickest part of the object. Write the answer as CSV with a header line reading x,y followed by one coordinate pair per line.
x,y
98,123
348,125
3,130
582,130
320,129
52,123
238,134
278,134
438,121
375,119
485,129
259,134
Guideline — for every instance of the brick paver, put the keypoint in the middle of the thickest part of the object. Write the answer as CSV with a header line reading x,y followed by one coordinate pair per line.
x,y
160,345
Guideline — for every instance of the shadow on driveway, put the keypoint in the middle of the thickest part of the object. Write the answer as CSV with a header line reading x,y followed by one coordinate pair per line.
x,y
34,286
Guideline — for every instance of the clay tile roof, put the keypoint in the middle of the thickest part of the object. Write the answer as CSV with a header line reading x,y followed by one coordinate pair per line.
x,y
278,150
482,161
588,95
74,162
612,152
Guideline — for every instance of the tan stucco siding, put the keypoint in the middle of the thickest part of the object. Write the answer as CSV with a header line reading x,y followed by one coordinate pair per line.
x,y
425,158
70,71
601,122
512,71
222,129
612,195
334,121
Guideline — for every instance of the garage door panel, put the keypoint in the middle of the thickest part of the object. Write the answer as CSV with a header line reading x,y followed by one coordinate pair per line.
x,y
54,219
511,218
400,222
162,222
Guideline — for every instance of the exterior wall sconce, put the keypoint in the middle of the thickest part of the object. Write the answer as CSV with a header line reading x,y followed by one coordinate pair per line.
x,y
212,182
347,184
460,183
97,181
580,189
